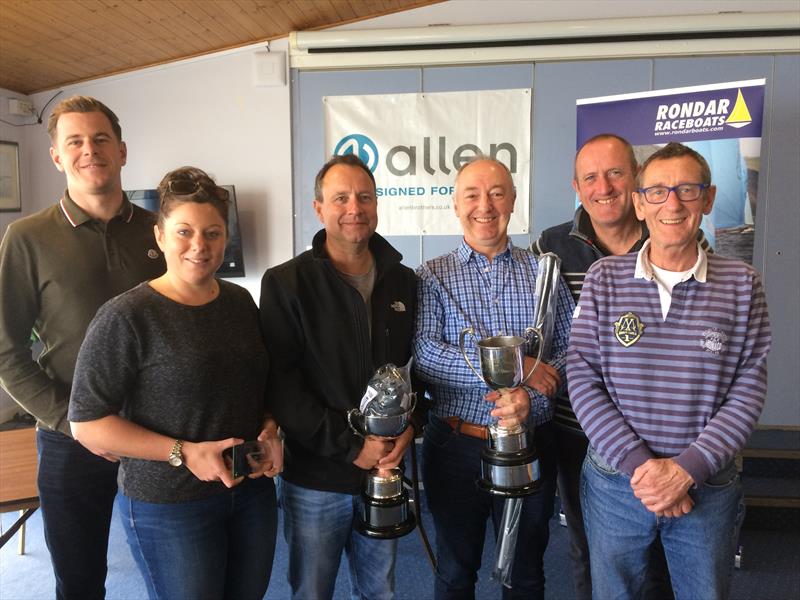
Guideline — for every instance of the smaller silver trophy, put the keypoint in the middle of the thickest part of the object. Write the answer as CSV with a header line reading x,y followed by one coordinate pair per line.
x,y
385,411
509,464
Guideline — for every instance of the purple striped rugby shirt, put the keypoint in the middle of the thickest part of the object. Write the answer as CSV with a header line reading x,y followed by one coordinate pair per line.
x,y
689,387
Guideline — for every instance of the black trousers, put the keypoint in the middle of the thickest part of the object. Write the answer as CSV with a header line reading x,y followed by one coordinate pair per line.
x,y
76,493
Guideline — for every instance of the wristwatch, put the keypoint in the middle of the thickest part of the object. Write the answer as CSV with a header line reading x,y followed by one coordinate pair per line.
x,y
175,457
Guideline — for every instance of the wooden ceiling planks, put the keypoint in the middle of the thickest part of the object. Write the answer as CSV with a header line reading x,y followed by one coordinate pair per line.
x,y
49,43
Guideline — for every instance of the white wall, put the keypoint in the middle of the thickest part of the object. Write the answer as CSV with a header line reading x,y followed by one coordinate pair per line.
x,y
206,113
14,130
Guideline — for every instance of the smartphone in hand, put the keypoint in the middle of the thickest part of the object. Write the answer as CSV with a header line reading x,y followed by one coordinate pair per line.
x,y
246,458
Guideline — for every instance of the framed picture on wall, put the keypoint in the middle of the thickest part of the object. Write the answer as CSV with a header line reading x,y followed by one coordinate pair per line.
x,y
10,199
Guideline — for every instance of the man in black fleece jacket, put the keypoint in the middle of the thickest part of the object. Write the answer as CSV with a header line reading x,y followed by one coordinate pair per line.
x,y
330,317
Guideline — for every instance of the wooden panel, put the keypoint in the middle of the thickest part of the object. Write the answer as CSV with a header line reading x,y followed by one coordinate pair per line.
x,y
18,464
50,43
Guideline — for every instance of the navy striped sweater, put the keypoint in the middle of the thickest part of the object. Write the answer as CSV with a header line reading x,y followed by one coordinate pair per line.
x,y
690,387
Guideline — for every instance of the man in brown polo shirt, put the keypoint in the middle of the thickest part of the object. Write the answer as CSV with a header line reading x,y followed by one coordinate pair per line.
x,y
57,267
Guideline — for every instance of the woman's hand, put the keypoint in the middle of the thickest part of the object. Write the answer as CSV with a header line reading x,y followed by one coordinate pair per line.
x,y
204,460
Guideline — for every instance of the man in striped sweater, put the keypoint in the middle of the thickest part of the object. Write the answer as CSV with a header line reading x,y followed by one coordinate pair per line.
x,y
667,375
605,224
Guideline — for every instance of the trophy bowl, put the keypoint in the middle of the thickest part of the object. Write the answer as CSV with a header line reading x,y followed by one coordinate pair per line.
x,y
386,426
501,357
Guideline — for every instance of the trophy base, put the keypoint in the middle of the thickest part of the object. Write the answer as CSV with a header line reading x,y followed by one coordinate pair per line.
x,y
510,474
516,492
385,519
386,533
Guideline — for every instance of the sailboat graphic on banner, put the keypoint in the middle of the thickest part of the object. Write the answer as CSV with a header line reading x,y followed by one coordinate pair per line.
x,y
740,115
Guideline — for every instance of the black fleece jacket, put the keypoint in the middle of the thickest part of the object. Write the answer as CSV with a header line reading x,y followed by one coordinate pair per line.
x,y
316,330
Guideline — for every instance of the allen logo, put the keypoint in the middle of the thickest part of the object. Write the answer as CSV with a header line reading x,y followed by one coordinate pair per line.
x,y
360,145
628,330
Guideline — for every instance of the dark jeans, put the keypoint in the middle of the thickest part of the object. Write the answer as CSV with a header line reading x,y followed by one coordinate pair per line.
x,y
451,465
571,448
76,491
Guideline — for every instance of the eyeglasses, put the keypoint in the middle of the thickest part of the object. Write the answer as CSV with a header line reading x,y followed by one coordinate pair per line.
x,y
686,192
189,187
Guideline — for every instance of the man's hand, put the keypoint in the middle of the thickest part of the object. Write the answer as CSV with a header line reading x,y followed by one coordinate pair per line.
x,y
545,379
374,449
392,460
270,437
681,507
511,407
660,483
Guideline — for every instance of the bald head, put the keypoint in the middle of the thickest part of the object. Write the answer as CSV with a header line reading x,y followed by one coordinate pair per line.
x,y
481,159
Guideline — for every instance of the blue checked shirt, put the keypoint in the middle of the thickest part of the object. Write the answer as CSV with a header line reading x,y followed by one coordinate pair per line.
x,y
464,289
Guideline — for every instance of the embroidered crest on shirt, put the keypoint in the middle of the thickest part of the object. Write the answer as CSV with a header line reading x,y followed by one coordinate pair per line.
x,y
713,341
628,330
398,306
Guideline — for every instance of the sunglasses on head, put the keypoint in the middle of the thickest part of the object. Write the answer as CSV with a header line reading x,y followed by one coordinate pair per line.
x,y
189,187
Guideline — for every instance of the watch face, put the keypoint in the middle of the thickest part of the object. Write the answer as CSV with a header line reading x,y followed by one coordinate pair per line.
x,y
175,457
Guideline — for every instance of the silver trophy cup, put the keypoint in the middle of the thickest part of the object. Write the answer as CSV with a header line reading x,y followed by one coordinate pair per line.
x,y
384,508
509,463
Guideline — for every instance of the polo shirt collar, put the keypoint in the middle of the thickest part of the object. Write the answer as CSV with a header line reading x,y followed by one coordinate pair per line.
x,y
77,216
644,268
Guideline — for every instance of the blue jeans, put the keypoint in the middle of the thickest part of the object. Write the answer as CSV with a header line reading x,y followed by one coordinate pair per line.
x,y
318,526
76,492
216,547
450,468
699,547
571,452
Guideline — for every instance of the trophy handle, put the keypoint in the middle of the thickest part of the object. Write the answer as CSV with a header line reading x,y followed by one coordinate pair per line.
x,y
538,333
469,331
352,414
413,402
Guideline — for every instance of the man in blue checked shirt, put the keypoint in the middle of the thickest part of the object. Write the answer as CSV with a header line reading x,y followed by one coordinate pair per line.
x,y
487,284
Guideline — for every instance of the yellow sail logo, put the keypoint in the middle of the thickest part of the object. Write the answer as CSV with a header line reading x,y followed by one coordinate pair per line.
x,y
740,115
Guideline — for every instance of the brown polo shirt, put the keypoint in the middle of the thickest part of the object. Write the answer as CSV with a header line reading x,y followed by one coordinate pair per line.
x,y
57,267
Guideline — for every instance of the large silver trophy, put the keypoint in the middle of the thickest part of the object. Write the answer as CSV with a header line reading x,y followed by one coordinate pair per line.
x,y
509,464
385,411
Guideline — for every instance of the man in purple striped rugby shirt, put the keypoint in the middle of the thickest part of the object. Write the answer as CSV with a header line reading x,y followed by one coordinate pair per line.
x,y
667,375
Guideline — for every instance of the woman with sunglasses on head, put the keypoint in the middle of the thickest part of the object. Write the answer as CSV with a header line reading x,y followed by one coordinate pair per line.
x,y
171,376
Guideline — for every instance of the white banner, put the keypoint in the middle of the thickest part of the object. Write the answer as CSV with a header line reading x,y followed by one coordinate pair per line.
x,y
415,143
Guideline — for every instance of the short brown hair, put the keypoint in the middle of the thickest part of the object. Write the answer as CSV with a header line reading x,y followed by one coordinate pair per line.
x,y
208,192
606,136
349,160
676,150
81,104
